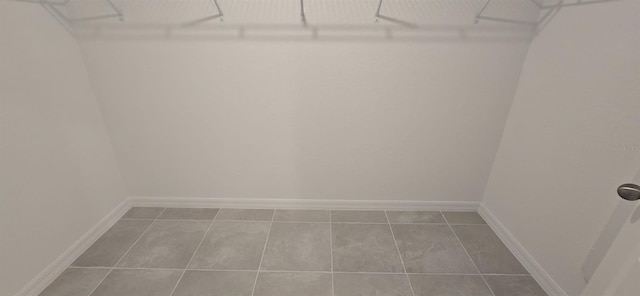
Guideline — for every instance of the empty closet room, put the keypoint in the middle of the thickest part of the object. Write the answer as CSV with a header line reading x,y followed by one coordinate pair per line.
x,y
319,147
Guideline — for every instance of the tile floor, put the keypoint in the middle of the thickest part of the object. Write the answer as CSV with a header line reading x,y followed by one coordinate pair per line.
x,y
241,252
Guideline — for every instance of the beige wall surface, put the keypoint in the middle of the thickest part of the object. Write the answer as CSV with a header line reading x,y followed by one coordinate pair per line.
x,y
305,120
571,137
58,170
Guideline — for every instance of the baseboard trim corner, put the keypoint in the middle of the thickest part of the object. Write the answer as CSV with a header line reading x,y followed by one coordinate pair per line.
x,y
530,264
53,270
259,203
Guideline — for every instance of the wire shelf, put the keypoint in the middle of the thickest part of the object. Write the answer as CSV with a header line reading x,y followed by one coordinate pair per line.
x,y
317,12
450,20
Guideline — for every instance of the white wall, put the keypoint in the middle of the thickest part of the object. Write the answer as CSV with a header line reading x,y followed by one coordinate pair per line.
x,y
571,136
58,171
297,119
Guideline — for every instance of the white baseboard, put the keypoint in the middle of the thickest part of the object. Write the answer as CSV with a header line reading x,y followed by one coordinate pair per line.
x,y
195,202
530,264
51,272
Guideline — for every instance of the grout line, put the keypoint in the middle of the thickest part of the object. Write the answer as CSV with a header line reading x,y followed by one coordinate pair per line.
x,y
467,252
331,253
273,214
271,222
141,235
160,214
263,250
268,271
505,274
231,270
231,220
294,221
172,219
400,255
418,223
319,222
193,255
127,268
339,209
300,271
127,252
100,283
490,274
136,219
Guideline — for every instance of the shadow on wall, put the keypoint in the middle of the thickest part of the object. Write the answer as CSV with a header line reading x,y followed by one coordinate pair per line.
x,y
549,11
635,217
310,33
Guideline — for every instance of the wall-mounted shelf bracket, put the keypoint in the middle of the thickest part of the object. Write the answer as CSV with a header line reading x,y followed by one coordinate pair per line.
x,y
480,16
54,7
118,11
377,15
538,3
46,2
303,17
219,15
504,20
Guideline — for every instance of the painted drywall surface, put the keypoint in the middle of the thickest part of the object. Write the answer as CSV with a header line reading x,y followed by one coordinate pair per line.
x,y
317,120
570,137
58,170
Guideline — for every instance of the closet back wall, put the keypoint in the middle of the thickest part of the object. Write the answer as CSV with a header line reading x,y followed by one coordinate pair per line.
x,y
305,120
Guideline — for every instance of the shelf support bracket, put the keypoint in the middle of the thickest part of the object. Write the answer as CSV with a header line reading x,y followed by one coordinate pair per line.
x,y
54,7
303,17
479,15
377,15
538,4
118,12
46,2
219,15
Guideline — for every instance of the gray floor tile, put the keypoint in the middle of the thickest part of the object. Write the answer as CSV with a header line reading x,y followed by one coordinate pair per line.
x,y
138,282
487,251
300,244
463,218
109,248
293,284
232,245
360,284
167,244
364,247
358,216
143,213
76,282
449,285
188,214
514,285
431,249
302,215
415,217
218,283
245,214
299,247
